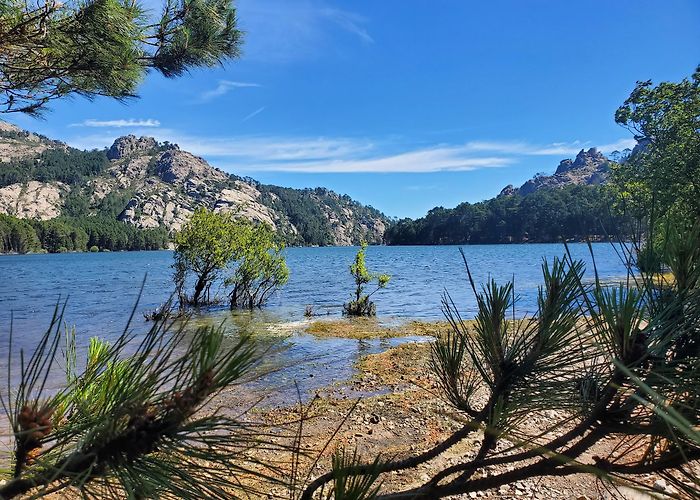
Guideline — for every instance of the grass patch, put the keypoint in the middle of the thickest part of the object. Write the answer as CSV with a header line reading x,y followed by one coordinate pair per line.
x,y
371,328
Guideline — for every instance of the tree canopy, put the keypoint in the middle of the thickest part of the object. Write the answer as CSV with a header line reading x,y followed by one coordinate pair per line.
x,y
203,247
261,268
212,243
76,234
51,49
664,172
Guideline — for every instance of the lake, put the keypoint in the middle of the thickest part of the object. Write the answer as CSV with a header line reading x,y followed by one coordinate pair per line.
x,y
101,289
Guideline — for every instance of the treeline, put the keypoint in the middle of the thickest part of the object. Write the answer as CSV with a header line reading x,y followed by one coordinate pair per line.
x,y
76,234
547,215
69,165
303,208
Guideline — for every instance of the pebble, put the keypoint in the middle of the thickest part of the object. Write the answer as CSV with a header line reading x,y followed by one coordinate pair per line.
x,y
660,485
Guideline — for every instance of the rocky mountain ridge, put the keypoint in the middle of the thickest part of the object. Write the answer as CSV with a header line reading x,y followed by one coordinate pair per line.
x,y
154,184
590,167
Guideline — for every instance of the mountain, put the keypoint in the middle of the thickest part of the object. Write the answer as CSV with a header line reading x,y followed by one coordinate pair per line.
x,y
567,205
588,168
148,185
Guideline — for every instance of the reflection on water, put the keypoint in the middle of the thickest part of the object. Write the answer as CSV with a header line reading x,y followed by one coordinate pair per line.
x,y
102,288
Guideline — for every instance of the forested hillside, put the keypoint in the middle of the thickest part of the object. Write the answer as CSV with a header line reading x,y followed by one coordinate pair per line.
x,y
546,215
137,193
570,204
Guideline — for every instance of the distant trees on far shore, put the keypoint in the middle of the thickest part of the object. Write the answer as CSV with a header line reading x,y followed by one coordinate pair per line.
x,y
76,234
547,215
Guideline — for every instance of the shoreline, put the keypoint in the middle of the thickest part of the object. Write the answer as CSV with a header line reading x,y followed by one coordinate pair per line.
x,y
399,414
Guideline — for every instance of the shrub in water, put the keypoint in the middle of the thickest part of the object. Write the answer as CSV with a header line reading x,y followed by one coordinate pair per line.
x,y
361,305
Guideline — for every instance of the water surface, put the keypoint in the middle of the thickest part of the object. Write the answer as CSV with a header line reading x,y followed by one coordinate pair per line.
x,y
102,288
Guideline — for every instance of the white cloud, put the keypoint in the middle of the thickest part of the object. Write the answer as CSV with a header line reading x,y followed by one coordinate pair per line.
x,y
271,148
254,113
552,149
420,161
223,88
117,123
350,22
250,154
618,145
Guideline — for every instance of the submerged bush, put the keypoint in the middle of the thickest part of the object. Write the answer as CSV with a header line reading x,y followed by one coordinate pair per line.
x,y
361,305
212,244
260,269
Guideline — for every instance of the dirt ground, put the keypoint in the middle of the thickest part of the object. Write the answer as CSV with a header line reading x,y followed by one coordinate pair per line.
x,y
403,416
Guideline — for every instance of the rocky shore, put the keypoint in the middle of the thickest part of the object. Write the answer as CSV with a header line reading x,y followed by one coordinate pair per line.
x,y
402,415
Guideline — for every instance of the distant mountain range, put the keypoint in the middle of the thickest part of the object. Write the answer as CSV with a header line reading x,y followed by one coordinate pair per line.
x,y
149,184
567,205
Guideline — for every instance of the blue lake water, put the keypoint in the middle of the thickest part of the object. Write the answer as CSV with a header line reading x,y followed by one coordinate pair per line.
x,y
101,289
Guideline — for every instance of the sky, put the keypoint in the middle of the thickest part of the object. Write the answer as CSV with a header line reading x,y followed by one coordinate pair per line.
x,y
404,104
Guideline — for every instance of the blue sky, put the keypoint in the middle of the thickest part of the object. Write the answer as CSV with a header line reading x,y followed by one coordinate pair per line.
x,y
405,104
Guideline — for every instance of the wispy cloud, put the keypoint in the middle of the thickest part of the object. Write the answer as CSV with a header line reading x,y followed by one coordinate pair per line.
x,y
350,22
280,31
331,155
618,145
250,154
117,123
551,149
420,161
254,113
223,88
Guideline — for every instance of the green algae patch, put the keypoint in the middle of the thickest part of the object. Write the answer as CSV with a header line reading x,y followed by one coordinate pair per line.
x,y
350,328
371,328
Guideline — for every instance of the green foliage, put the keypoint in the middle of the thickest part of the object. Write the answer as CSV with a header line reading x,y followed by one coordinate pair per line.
x,y
546,215
614,362
212,242
204,247
76,203
17,236
128,425
361,305
58,236
662,177
77,234
304,209
114,203
110,234
351,487
260,268
94,249
53,50
69,165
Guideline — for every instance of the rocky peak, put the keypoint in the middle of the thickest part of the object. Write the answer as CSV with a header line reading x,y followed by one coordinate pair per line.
x,y
588,168
587,160
8,127
177,167
509,190
130,144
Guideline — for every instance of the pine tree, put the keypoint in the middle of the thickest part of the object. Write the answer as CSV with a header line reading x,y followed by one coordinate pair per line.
x,y
51,49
